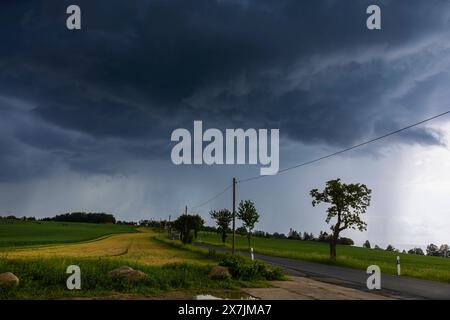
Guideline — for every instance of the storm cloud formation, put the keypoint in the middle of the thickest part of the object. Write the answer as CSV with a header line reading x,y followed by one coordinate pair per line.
x,y
101,99
138,70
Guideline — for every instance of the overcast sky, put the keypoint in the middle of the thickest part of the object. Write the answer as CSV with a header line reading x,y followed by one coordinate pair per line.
x,y
86,116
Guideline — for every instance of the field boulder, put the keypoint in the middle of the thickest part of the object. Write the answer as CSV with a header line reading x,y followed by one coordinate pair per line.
x,y
127,273
8,279
219,273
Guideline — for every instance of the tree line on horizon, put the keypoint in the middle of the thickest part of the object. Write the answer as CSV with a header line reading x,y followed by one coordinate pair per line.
x,y
432,250
86,217
291,235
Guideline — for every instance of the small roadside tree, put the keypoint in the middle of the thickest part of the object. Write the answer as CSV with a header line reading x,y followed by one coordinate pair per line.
x,y
249,216
188,225
223,219
367,244
347,203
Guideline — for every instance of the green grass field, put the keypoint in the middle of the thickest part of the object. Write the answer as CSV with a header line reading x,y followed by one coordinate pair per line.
x,y
431,268
24,233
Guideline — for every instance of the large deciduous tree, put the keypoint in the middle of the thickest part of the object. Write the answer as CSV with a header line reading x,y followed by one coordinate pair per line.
x,y
249,216
347,203
223,219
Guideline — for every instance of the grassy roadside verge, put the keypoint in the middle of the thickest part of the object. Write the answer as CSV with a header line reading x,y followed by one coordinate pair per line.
x,y
423,267
240,267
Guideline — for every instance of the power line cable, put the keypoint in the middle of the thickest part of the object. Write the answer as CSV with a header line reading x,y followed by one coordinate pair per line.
x,y
212,198
349,148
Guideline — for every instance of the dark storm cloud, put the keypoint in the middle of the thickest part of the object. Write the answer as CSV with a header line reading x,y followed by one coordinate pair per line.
x,y
139,69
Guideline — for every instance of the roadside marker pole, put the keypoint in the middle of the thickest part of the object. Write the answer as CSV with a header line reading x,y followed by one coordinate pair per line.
x,y
251,252
233,249
398,265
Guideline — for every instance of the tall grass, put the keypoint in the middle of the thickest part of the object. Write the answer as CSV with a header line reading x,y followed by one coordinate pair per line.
x,y
46,278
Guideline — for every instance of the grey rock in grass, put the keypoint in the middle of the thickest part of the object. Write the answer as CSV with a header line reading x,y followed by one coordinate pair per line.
x,y
219,273
127,273
9,279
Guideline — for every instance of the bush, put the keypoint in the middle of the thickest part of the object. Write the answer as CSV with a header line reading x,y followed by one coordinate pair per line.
x,y
346,241
219,273
244,269
273,273
211,253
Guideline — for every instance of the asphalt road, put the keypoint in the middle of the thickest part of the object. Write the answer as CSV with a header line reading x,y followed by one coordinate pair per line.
x,y
394,286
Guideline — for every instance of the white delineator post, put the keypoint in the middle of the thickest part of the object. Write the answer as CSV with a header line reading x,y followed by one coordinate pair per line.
x,y
398,265
251,253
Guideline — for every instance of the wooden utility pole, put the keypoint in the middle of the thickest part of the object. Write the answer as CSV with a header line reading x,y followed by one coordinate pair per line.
x,y
233,248
169,229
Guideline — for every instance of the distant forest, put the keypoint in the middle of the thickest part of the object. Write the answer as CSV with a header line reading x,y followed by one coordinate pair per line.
x,y
89,217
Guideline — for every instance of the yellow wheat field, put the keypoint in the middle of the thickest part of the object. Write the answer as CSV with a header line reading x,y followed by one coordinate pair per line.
x,y
140,247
